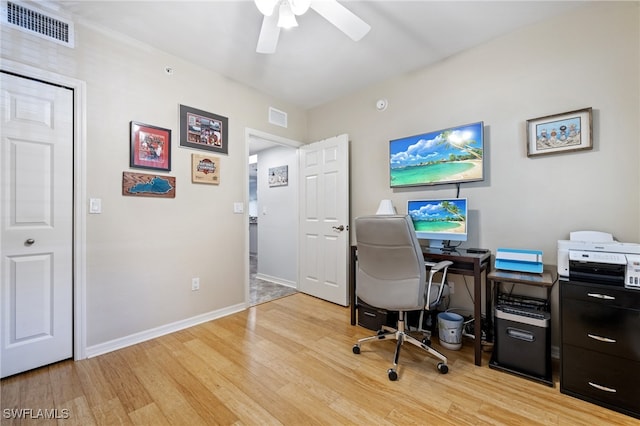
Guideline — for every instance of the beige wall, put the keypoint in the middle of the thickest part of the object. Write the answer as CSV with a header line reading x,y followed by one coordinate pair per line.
x,y
143,252
587,59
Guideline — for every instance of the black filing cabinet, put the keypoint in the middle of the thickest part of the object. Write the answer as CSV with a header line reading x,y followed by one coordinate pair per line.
x,y
600,345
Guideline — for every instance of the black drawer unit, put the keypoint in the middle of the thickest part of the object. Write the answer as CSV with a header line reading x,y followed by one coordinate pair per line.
x,y
374,318
602,379
600,345
591,326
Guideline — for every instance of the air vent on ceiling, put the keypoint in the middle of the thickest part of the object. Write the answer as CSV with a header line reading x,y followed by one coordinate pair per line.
x,y
39,23
277,117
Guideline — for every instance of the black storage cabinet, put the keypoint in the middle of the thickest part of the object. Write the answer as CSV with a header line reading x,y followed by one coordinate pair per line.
x,y
600,345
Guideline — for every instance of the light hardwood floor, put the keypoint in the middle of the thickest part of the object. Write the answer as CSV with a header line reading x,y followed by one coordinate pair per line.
x,y
286,362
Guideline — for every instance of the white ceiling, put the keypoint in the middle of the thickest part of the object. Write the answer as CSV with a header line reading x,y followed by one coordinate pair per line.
x,y
315,62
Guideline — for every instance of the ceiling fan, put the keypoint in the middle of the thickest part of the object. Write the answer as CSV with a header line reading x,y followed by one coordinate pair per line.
x,y
287,10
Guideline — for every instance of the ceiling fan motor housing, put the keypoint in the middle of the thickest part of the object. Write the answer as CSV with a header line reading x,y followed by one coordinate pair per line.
x,y
331,10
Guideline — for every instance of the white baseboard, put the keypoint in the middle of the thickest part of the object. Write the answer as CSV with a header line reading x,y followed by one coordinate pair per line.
x,y
132,339
277,280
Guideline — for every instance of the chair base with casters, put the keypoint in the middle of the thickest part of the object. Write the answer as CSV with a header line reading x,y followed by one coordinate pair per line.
x,y
401,336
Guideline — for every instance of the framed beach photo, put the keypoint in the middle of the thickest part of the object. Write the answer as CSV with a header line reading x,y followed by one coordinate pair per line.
x,y
452,155
203,130
569,131
150,147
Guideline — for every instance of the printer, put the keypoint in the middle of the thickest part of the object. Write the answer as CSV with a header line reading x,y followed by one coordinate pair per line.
x,y
594,256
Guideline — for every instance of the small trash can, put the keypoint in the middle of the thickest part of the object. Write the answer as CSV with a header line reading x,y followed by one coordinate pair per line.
x,y
450,330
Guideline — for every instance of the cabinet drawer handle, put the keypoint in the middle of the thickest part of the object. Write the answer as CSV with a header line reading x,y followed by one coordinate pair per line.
x,y
601,296
602,388
601,339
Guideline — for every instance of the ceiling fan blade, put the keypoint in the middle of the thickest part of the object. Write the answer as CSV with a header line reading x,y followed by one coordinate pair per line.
x,y
269,34
345,20
266,7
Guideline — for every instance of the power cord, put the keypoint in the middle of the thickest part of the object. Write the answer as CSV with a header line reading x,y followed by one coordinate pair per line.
x,y
466,285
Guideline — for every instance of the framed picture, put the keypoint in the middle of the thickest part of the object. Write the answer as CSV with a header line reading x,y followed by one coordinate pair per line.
x,y
150,147
279,176
205,169
570,131
148,185
203,130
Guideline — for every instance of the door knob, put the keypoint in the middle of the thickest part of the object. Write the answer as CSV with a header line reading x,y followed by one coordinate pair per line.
x,y
338,228
29,242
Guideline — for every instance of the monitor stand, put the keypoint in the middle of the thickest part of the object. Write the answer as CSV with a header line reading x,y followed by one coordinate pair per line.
x,y
442,245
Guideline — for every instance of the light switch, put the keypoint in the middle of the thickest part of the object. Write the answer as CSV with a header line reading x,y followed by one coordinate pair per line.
x,y
95,205
238,207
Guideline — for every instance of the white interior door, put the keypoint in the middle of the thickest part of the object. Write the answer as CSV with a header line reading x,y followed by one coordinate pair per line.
x,y
36,230
324,223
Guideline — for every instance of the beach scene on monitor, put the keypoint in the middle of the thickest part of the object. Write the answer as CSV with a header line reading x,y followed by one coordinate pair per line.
x,y
448,216
445,156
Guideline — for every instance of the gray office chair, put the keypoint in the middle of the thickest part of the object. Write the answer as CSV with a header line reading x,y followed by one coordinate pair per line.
x,y
392,275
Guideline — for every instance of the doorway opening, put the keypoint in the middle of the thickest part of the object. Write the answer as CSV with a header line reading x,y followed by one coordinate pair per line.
x,y
272,217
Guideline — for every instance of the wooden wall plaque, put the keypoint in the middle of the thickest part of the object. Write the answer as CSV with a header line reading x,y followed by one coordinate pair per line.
x,y
148,185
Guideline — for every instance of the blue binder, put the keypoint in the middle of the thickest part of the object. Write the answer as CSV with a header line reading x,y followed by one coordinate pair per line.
x,y
519,260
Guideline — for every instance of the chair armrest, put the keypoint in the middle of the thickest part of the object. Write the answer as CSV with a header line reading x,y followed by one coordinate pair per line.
x,y
435,267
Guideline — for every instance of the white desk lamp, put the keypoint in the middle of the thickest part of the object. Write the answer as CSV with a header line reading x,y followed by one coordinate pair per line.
x,y
386,207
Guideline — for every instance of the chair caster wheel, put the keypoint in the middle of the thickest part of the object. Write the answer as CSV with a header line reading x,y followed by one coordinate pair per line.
x,y
356,349
442,368
393,376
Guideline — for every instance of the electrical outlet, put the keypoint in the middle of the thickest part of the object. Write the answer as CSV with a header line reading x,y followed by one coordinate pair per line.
x,y
195,284
452,289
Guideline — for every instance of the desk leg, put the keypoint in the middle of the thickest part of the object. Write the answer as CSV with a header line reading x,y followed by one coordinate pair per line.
x,y
491,293
477,314
352,285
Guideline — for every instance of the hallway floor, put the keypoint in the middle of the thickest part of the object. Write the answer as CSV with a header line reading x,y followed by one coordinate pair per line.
x,y
261,291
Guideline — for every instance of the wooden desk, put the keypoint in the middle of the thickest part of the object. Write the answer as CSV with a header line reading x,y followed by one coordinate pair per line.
x,y
464,263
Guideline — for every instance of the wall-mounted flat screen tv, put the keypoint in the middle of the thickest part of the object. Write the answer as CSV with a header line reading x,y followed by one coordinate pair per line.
x,y
451,155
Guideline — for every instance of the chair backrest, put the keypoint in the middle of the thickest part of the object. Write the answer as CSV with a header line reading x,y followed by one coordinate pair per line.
x,y
391,270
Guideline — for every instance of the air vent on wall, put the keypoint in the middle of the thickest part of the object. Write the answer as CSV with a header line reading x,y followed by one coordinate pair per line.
x,y
277,117
38,23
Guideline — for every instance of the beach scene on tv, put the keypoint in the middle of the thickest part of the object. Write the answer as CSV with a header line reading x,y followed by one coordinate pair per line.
x,y
439,215
445,156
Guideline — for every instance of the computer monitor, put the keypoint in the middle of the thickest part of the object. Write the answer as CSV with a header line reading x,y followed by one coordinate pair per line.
x,y
439,221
